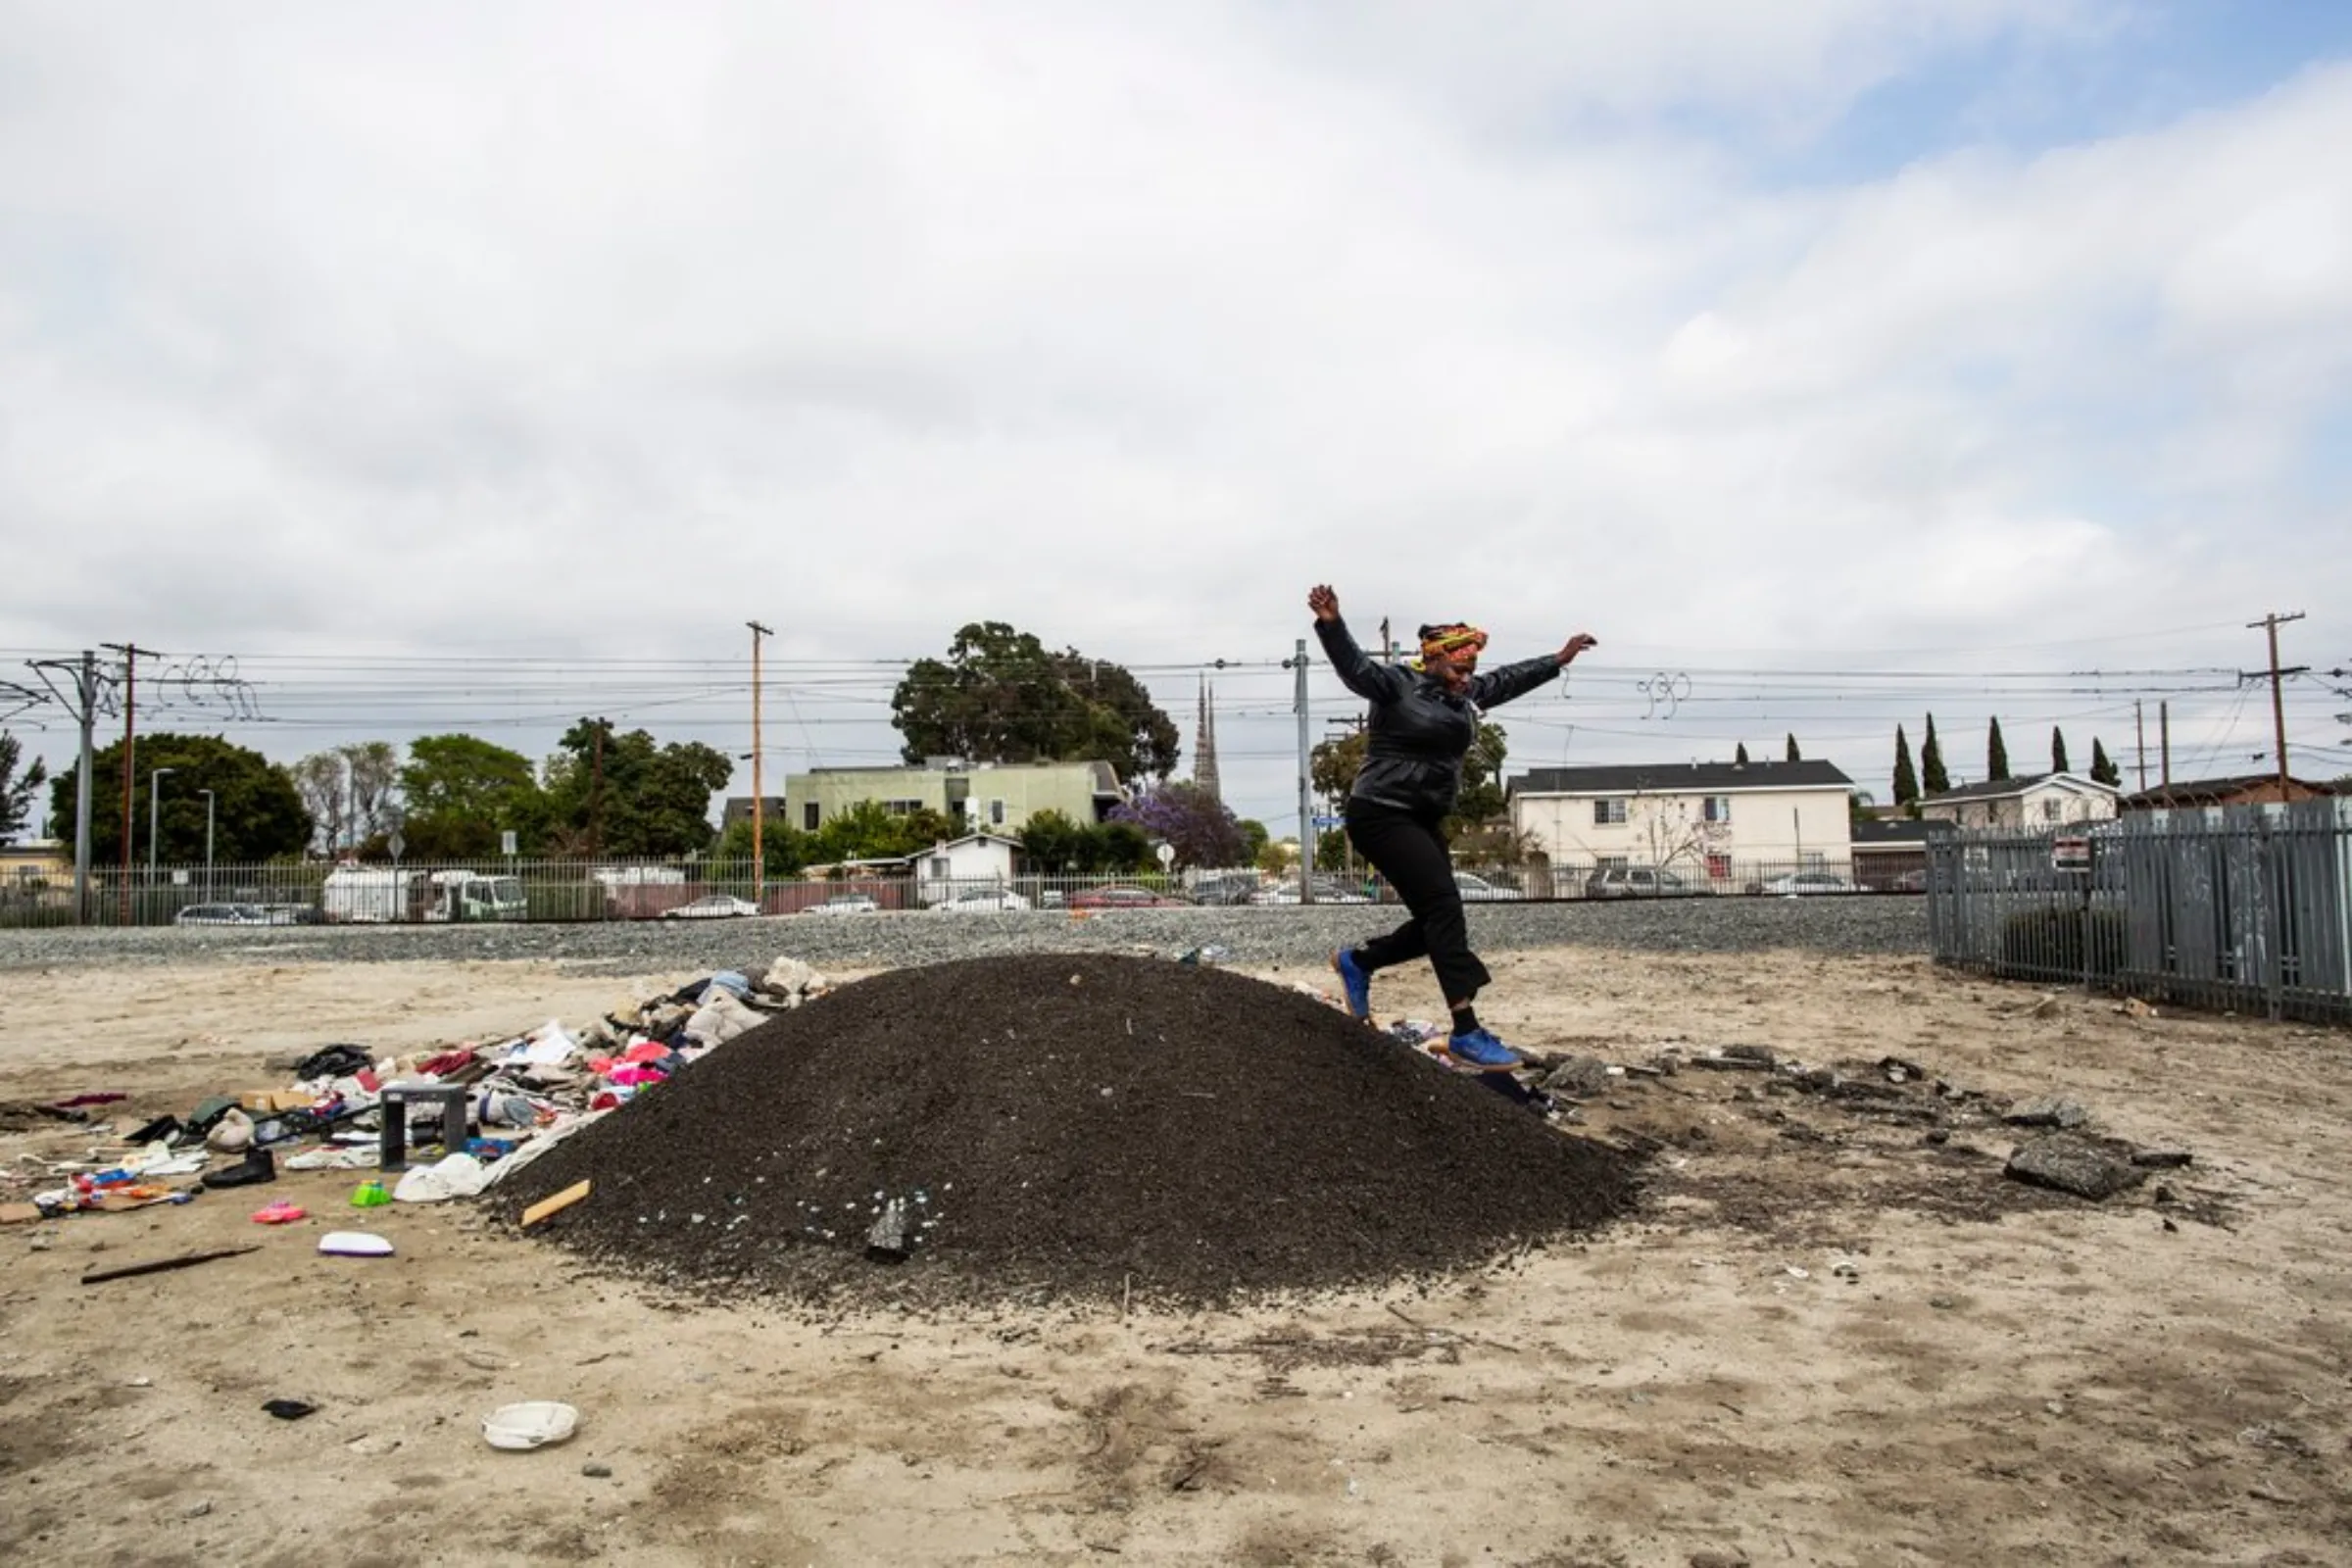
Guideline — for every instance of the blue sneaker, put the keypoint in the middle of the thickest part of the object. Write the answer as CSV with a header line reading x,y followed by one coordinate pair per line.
x,y
1481,1050
1355,981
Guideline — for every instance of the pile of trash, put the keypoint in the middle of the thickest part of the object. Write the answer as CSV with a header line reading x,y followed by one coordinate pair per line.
x,y
1051,1128
451,1121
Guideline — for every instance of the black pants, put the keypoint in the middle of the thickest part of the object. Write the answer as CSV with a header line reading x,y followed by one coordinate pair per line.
x,y
1411,854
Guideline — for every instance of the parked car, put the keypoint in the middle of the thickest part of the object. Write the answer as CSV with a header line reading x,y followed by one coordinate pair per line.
x,y
716,906
846,904
221,914
1231,888
982,900
1120,897
1328,889
1803,882
1636,882
1477,889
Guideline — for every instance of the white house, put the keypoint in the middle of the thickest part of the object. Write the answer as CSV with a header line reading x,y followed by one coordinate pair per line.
x,y
975,860
2032,803
1698,817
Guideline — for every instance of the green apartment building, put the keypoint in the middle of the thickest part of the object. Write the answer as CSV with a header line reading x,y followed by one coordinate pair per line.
x,y
983,797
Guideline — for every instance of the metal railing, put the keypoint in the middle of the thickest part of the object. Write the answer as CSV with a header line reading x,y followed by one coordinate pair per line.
x,y
311,891
2244,907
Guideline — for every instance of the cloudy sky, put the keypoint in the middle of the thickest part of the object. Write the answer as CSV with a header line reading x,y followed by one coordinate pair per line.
x,y
467,367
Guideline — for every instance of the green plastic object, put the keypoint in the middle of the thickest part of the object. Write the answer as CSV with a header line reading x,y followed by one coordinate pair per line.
x,y
369,1195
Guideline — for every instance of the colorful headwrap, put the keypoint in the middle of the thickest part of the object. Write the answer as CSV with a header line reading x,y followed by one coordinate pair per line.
x,y
1456,640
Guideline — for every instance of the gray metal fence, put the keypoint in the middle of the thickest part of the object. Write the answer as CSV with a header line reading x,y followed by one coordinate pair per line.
x,y
2241,907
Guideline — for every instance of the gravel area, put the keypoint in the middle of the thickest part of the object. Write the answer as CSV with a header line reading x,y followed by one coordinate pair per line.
x,y
1861,923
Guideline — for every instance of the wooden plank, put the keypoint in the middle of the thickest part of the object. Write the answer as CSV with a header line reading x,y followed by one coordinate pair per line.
x,y
161,1264
555,1204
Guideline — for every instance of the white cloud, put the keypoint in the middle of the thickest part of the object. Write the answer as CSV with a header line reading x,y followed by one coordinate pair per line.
x,y
1125,325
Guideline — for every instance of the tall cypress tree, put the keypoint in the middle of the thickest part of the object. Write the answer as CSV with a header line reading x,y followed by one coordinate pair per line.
x,y
2057,749
1741,757
1906,782
2103,766
1996,755
1795,756
1933,779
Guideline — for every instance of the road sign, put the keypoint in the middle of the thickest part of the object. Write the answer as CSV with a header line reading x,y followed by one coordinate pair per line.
x,y
2069,854
1167,855
505,842
1329,822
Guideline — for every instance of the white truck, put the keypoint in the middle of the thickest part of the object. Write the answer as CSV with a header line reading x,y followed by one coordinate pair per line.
x,y
363,895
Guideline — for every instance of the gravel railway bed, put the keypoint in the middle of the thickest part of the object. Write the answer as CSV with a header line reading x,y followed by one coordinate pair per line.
x,y
1854,924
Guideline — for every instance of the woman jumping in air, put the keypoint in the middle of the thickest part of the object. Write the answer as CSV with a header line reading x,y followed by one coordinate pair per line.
x,y
1422,724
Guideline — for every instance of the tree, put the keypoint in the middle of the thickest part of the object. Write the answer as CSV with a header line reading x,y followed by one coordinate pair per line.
x,y
1055,845
783,849
2103,766
15,794
1200,828
1332,766
348,792
1740,756
1254,841
612,794
1858,805
1795,756
2057,749
1001,697
258,815
461,793
1933,779
1906,782
1996,755
871,831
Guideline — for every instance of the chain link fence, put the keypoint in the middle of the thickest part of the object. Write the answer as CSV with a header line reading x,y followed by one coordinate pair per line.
x,y
2243,908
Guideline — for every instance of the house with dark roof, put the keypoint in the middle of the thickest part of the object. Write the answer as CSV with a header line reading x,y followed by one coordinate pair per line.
x,y
1699,817
2032,803
1890,853
2240,789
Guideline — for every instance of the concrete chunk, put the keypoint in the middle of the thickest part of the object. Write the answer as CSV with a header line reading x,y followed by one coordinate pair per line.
x,y
2070,1164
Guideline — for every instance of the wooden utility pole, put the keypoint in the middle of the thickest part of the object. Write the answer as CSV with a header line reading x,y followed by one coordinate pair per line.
x,y
759,779
2270,624
2140,733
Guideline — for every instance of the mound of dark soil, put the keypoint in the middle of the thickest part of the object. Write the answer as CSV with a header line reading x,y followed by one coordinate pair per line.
x,y
1067,1127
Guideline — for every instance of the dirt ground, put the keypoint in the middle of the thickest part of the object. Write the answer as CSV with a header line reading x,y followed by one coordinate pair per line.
x,y
1823,1340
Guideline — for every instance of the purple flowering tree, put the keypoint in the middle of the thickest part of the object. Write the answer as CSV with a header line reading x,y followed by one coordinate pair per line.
x,y
1203,832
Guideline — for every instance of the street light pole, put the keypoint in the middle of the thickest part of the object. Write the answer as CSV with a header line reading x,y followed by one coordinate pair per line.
x,y
155,791
207,844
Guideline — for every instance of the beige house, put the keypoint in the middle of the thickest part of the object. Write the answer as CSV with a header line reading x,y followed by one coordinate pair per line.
x,y
1697,818
982,797
2032,804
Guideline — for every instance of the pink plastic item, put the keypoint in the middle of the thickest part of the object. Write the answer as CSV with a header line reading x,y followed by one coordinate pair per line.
x,y
280,1213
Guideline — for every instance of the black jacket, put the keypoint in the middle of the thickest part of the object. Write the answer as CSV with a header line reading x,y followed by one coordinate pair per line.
x,y
1419,730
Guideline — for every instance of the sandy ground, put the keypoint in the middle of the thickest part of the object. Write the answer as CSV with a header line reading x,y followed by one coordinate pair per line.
x,y
2004,1378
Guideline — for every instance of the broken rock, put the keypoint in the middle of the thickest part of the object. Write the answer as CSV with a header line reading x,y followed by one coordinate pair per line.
x,y
2067,1164
1580,1078
2047,1111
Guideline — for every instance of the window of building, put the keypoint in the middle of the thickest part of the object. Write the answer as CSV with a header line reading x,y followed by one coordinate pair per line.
x,y
902,807
808,817
996,814
1608,862
1608,812
940,869
2050,810
1718,866
1719,808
